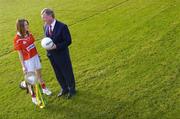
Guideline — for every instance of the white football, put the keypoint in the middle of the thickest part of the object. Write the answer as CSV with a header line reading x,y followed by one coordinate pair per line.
x,y
30,78
47,43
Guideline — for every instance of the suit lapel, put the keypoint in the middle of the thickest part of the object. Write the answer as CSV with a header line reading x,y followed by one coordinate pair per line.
x,y
54,30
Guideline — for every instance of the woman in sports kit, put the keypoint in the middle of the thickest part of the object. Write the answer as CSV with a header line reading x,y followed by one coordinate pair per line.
x,y
29,58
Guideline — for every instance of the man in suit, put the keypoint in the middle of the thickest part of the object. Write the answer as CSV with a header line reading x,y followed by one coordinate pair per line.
x,y
59,53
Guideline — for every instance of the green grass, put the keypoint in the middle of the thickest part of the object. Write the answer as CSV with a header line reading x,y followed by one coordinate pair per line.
x,y
125,55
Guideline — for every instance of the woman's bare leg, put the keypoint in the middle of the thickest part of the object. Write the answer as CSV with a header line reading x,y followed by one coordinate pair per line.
x,y
39,76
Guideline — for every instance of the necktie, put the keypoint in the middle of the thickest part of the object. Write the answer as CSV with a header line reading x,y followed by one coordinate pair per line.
x,y
50,30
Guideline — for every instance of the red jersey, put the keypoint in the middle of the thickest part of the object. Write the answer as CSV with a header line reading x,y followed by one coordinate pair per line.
x,y
26,46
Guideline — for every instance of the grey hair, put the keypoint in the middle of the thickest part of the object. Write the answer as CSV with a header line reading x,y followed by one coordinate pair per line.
x,y
48,11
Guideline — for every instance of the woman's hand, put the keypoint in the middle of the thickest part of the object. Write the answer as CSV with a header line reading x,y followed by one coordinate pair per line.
x,y
22,62
24,69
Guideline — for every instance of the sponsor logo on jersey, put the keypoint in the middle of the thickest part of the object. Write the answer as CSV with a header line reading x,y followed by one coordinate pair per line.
x,y
30,47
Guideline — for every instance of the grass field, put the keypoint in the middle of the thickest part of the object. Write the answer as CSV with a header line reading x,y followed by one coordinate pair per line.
x,y
125,56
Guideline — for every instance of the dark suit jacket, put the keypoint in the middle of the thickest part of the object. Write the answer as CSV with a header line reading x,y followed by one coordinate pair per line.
x,y
60,36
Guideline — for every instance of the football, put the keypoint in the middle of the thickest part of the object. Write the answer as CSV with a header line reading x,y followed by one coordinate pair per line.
x,y
47,43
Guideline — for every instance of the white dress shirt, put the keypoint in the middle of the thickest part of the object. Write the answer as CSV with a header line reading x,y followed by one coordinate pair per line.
x,y
53,24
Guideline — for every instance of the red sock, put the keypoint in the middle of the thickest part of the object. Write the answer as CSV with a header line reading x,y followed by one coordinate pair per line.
x,y
43,85
33,95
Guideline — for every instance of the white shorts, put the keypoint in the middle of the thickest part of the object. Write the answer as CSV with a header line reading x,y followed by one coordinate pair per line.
x,y
32,64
